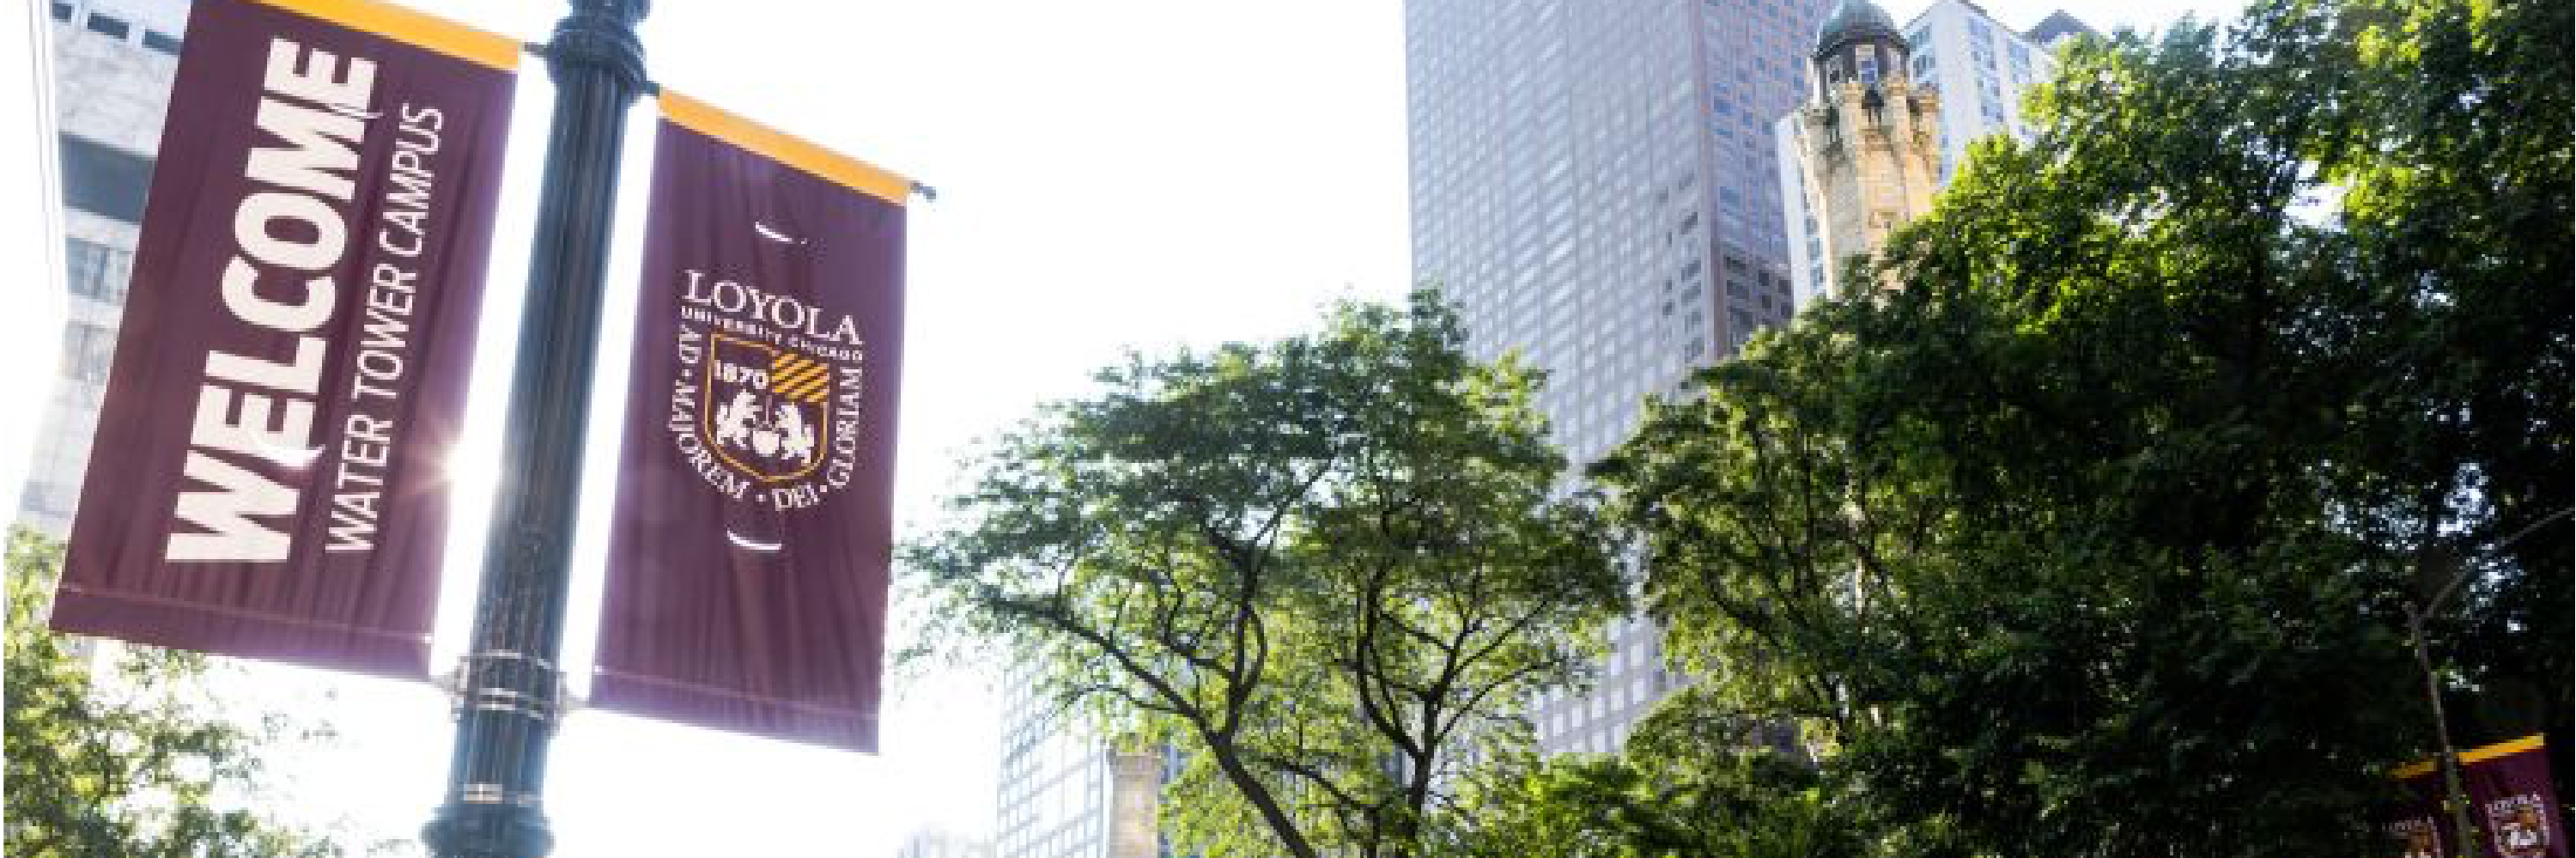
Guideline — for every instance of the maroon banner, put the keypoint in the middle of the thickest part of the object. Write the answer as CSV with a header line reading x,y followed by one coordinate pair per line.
x,y
268,476
747,560
2421,828
2511,794
2512,801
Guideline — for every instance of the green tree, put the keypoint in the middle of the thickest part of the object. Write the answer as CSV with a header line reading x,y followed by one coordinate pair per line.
x,y
2097,535
1689,782
121,766
1323,568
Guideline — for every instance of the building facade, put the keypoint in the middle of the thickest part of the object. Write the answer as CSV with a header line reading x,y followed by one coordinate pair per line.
x,y
1977,68
944,844
114,62
1593,184
2053,31
1981,68
1066,793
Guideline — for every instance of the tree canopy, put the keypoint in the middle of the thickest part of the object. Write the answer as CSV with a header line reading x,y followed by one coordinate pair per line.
x,y
1687,783
1326,569
131,764
2097,534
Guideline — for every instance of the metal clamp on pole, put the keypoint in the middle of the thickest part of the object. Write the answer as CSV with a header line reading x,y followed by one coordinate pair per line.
x,y
511,691
509,682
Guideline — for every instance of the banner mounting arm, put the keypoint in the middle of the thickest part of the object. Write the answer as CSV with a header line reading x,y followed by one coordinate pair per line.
x,y
654,88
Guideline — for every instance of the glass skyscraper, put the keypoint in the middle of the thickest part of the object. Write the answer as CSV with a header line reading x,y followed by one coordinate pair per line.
x,y
1065,792
1594,184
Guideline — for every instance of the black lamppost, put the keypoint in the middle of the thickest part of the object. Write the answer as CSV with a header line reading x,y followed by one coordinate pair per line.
x,y
512,685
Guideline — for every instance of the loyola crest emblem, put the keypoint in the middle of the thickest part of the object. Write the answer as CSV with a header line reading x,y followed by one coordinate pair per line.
x,y
2520,825
769,409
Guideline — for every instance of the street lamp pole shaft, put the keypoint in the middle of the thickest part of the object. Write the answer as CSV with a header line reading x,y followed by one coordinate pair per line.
x,y
511,684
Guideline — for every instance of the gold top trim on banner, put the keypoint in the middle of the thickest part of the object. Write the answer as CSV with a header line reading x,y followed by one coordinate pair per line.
x,y
769,143
410,27
2477,755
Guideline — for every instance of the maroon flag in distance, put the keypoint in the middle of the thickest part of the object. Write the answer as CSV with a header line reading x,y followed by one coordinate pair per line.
x,y
748,555
2513,799
268,478
2420,828
2512,802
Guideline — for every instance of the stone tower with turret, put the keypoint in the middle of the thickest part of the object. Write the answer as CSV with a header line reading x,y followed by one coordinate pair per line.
x,y
1870,139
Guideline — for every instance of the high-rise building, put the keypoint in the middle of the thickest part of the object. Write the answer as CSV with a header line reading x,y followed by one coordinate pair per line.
x,y
1065,792
1866,144
2053,31
114,62
943,844
1978,68
1594,185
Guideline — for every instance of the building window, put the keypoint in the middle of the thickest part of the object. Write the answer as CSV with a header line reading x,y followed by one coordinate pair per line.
x,y
1868,66
96,270
112,27
62,11
88,350
103,179
49,497
161,41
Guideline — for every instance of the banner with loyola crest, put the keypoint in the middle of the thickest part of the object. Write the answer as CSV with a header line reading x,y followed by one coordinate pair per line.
x,y
752,534
269,474
2511,799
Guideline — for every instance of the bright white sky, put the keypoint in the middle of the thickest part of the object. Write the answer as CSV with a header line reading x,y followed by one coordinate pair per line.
x,y
1135,173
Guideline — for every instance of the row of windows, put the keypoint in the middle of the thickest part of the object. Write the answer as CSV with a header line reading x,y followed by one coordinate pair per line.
x,y
96,270
88,351
1616,699
50,498
116,28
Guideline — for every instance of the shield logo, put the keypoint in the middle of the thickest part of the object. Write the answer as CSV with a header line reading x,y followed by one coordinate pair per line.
x,y
2416,838
2520,825
768,409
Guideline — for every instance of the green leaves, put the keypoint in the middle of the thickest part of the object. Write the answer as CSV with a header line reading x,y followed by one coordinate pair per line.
x,y
121,765
1324,567
2091,539
1688,785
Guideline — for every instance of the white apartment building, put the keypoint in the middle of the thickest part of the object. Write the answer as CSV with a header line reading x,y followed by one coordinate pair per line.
x,y
114,62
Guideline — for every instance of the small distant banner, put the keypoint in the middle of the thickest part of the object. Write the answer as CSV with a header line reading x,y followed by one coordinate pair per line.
x,y
2511,799
752,533
268,476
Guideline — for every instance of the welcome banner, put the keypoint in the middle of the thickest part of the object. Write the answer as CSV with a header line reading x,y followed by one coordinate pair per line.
x,y
2511,799
747,562
266,480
